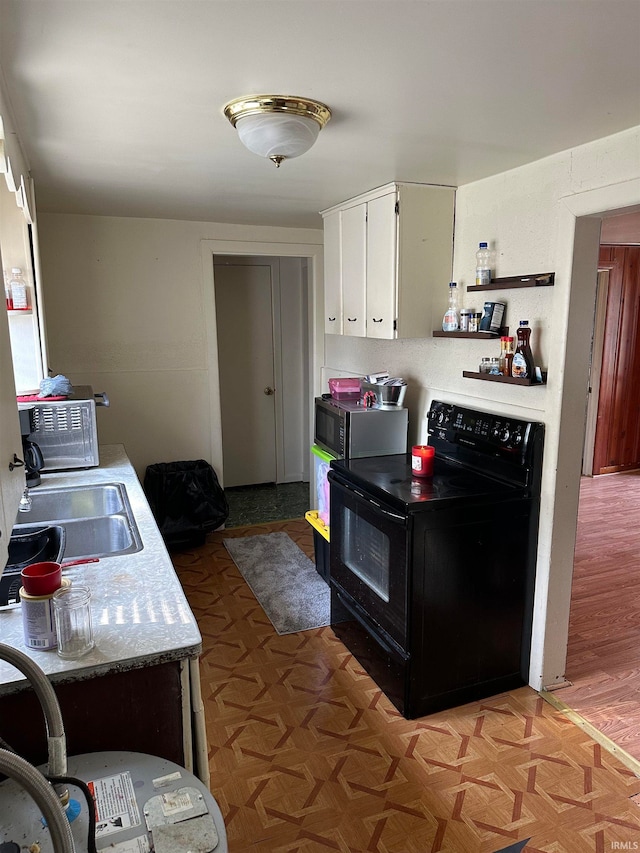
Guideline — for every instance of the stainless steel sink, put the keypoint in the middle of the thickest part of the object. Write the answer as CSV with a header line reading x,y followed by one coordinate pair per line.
x,y
97,519
83,502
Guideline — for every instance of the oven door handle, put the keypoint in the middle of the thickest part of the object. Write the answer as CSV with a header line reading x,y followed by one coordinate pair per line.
x,y
392,516
379,635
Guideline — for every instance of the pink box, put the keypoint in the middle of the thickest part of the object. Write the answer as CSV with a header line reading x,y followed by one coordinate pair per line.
x,y
346,388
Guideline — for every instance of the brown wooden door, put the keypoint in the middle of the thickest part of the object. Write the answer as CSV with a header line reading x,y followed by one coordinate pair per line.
x,y
617,441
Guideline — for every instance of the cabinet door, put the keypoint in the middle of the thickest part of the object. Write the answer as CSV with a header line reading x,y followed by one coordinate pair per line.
x,y
382,266
12,483
354,269
332,274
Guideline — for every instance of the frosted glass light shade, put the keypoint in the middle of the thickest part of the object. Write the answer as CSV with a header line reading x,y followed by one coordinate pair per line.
x,y
277,126
277,134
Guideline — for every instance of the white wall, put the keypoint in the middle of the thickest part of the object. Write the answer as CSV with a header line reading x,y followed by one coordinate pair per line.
x,y
128,311
528,216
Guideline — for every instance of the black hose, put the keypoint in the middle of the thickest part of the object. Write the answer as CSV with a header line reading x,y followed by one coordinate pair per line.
x,y
78,783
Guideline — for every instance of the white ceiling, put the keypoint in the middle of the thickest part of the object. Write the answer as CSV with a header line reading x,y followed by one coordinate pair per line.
x,y
119,102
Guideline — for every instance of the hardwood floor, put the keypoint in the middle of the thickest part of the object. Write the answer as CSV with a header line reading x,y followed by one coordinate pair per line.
x,y
603,658
307,754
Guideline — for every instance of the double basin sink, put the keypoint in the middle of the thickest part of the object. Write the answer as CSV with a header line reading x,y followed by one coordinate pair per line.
x,y
97,519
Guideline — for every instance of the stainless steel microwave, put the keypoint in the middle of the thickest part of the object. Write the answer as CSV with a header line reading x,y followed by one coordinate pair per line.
x,y
348,430
66,430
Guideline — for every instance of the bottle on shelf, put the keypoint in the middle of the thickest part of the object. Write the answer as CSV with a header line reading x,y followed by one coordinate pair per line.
x,y
506,354
522,365
451,319
18,290
483,265
7,290
465,313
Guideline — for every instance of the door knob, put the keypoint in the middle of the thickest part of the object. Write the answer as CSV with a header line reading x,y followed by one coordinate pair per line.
x,y
269,391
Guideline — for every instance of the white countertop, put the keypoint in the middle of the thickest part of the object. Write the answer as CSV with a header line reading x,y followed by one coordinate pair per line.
x,y
139,610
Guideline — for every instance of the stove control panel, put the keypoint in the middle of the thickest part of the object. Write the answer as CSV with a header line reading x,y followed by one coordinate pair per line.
x,y
476,429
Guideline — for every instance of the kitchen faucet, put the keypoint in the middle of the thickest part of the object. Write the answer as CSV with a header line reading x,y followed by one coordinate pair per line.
x,y
25,501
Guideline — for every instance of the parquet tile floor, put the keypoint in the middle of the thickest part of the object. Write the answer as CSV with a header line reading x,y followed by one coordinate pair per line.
x,y
307,754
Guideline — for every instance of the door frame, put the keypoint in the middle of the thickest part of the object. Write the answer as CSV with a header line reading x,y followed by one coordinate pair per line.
x,y
597,346
313,253
276,354
578,241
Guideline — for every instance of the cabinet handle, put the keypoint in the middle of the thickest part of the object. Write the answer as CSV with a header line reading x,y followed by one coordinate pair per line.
x,y
331,319
16,463
352,319
377,321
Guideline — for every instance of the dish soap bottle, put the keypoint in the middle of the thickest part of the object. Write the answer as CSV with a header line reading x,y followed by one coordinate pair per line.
x,y
451,319
522,365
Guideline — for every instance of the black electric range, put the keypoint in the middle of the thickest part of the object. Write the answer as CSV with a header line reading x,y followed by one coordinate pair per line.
x,y
432,579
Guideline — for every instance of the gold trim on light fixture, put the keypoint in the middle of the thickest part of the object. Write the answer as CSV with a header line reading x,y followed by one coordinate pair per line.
x,y
277,126
256,104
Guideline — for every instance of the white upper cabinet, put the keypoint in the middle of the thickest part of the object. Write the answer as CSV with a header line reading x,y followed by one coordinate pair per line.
x,y
382,266
353,272
332,277
388,252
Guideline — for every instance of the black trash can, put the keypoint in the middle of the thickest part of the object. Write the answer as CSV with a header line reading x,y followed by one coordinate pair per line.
x,y
187,501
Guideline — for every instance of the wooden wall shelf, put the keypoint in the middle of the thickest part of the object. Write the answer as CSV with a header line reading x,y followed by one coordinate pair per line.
x,y
509,380
479,336
544,279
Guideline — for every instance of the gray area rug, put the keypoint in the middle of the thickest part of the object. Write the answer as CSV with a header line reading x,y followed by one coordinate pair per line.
x,y
283,579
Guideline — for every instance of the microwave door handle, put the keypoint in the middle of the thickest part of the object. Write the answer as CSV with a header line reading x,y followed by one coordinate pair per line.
x,y
392,516
102,399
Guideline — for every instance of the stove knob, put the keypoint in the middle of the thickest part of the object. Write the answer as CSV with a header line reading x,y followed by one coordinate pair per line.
x,y
442,417
505,434
517,436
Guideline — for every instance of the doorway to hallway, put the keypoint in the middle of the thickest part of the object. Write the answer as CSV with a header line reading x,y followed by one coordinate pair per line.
x,y
263,360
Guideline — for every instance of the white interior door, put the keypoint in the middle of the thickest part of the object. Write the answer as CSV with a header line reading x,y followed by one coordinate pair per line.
x,y
244,317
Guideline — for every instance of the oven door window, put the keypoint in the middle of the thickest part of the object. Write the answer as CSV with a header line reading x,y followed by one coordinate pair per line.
x,y
366,552
369,558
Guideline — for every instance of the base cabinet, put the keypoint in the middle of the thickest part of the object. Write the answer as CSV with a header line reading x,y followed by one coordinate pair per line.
x,y
386,253
139,710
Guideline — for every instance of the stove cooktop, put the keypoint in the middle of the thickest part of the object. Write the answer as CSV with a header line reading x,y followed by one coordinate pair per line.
x,y
390,478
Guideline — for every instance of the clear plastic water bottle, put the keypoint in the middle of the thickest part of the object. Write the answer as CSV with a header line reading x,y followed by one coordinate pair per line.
x,y
483,265
18,290
451,319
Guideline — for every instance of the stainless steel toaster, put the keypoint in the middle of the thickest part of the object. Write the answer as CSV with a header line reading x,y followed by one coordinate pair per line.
x,y
66,430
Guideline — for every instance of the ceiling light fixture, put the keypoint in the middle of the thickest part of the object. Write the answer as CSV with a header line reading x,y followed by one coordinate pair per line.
x,y
277,126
